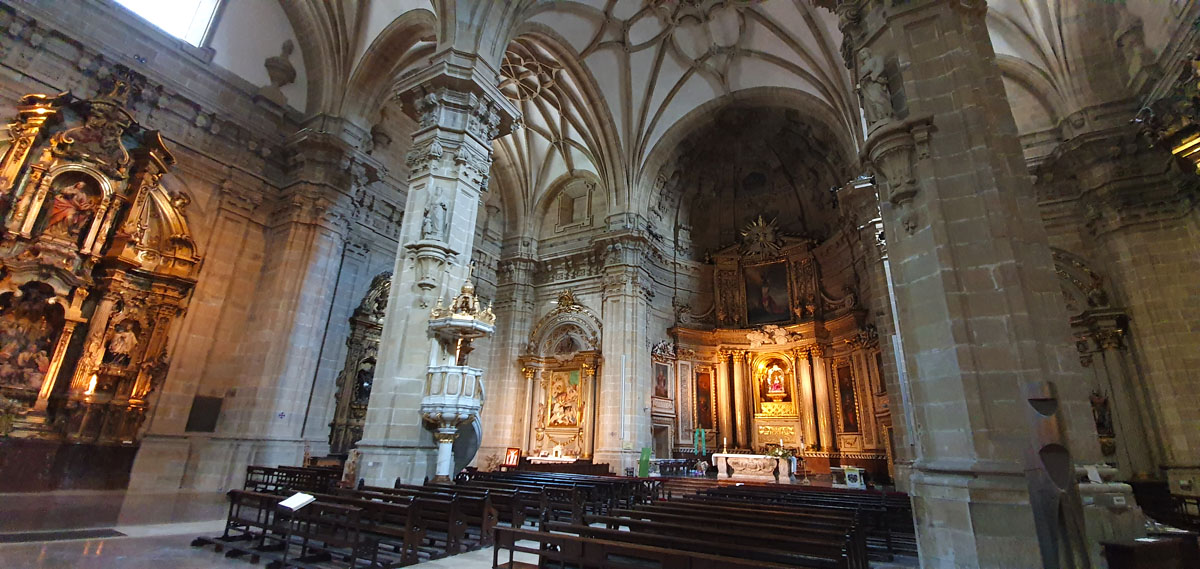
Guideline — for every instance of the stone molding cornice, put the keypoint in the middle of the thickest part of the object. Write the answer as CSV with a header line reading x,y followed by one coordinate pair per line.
x,y
249,139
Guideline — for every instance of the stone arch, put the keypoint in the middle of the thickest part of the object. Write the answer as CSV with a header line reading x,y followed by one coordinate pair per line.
x,y
807,104
569,321
1033,80
406,43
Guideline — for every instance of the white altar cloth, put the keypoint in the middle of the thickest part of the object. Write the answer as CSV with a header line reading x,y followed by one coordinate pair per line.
x,y
756,467
552,459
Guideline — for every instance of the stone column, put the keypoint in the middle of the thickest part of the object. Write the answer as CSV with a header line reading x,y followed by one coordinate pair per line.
x,y
448,167
1134,456
506,417
980,308
821,390
724,401
623,421
741,420
807,403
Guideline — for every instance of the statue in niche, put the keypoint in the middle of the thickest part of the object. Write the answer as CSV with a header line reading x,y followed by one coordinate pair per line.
x,y
362,382
121,345
433,226
70,210
1101,414
873,88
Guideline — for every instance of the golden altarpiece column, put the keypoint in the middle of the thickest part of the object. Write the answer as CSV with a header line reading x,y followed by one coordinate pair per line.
x,y
783,363
96,265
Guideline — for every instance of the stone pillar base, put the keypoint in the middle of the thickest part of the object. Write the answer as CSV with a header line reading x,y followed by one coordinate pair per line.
x,y
382,465
973,519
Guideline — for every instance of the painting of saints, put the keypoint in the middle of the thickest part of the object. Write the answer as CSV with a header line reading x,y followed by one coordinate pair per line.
x,y
662,387
70,210
767,297
29,327
565,400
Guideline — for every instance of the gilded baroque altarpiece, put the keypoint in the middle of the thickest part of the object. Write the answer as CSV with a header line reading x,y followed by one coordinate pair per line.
x,y
96,266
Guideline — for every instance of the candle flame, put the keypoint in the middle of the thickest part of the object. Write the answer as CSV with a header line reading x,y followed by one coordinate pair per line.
x,y
91,385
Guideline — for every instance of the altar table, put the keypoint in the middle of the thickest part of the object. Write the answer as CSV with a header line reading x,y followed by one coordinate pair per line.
x,y
755,467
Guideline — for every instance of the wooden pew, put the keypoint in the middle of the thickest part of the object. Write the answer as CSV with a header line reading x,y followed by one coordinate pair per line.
x,y
475,512
513,507
258,527
887,515
575,551
718,540
396,526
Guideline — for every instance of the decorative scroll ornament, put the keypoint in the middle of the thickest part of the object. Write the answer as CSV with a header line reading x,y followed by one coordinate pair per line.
x,y
98,140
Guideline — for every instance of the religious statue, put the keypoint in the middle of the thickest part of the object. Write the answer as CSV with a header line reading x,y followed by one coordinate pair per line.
x,y
433,226
1101,414
350,469
70,210
773,383
873,88
120,347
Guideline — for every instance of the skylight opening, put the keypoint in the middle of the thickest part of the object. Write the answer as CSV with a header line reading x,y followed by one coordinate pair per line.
x,y
187,20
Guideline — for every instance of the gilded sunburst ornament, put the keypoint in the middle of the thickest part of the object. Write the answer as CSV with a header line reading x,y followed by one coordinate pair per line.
x,y
760,237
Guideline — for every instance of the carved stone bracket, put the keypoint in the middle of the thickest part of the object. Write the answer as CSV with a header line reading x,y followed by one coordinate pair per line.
x,y
894,149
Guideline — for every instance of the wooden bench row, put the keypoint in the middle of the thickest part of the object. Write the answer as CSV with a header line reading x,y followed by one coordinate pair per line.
x,y
390,527
563,550
700,531
887,516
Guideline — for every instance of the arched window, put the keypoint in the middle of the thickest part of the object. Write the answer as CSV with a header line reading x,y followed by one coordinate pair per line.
x,y
188,20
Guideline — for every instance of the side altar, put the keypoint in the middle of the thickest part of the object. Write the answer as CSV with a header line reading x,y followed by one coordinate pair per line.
x,y
755,467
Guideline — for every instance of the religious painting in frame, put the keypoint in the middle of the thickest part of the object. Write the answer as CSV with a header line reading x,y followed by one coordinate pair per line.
x,y
767,298
564,398
706,415
662,380
683,400
847,399
512,457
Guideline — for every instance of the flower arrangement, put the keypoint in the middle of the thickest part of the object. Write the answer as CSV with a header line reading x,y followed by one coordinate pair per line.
x,y
779,452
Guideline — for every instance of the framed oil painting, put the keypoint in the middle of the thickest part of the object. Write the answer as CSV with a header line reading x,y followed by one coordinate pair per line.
x,y
683,402
847,401
706,417
662,380
767,298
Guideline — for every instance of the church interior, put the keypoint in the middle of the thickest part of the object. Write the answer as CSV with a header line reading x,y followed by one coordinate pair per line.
x,y
517,283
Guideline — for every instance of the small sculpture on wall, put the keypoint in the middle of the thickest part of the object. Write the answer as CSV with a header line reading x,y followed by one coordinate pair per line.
x,y
873,88
1101,414
281,73
121,345
433,226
